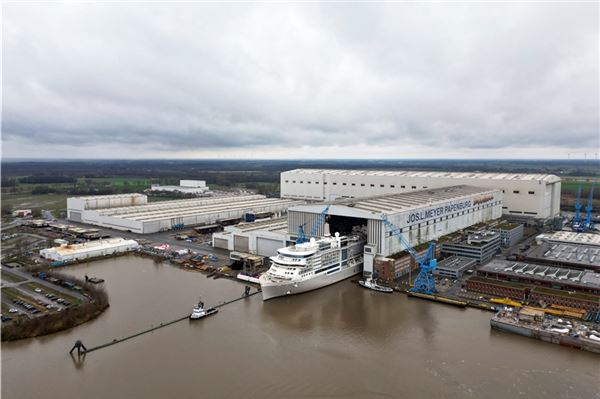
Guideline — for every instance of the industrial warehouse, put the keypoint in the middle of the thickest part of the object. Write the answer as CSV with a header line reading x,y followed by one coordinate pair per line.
x,y
564,248
527,196
262,238
132,212
421,216
91,249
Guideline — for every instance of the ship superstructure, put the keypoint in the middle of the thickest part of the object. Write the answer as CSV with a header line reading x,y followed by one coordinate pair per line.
x,y
313,264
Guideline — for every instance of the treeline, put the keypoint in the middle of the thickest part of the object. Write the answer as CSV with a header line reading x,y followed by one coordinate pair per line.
x,y
12,181
87,190
197,169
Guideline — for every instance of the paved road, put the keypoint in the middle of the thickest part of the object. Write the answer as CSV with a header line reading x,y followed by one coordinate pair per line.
x,y
30,279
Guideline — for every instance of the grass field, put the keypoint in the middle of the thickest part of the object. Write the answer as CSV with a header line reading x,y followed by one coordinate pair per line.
x,y
52,202
121,181
13,278
570,187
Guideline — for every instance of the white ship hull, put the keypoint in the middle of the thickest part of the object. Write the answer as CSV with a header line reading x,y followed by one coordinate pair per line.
x,y
272,289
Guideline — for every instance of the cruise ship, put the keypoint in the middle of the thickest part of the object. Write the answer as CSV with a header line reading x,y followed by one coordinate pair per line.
x,y
314,264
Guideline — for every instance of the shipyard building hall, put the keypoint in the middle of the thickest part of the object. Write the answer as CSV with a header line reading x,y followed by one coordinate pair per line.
x,y
533,198
421,216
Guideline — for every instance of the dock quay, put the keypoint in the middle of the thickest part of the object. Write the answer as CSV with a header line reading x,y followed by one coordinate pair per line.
x,y
161,325
437,298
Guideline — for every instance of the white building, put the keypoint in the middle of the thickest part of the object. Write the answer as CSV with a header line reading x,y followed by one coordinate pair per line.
x,y
525,195
92,249
421,216
166,215
76,205
262,238
195,187
571,237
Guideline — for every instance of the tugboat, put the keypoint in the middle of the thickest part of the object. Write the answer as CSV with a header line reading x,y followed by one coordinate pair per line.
x,y
199,312
370,284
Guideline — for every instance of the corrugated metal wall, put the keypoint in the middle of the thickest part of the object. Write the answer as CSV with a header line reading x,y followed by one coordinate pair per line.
x,y
304,219
75,216
240,243
221,243
268,247
374,233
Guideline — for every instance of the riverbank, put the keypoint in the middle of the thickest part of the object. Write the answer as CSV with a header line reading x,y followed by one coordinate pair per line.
x,y
64,318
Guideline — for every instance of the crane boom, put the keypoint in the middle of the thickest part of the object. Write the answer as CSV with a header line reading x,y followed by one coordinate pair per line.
x,y
319,222
424,283
315,228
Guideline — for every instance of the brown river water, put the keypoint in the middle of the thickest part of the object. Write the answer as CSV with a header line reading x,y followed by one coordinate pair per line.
x,y
338,342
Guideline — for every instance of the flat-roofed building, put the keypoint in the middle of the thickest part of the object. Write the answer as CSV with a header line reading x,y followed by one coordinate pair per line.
x,y
261,238
479,245
454,266
167,215
527,196
92,249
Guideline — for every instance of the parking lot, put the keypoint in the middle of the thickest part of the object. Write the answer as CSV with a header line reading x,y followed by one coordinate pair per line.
x,y
26,296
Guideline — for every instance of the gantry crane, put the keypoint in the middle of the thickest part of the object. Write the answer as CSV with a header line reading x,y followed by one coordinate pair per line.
x,y
589,224
424,283
576,222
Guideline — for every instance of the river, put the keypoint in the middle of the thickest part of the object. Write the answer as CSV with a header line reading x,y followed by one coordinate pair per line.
x,y
341,341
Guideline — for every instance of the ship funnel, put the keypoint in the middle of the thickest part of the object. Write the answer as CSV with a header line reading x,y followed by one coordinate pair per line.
x,y
326,230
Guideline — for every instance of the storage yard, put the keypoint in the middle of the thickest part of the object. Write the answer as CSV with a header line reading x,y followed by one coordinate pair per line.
x,y
533,196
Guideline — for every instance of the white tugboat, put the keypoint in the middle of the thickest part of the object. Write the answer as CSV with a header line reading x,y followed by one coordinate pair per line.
x,y
371,284
311,265
199,312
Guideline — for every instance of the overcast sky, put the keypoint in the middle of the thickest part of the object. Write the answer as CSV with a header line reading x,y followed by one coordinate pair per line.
x,y
302,81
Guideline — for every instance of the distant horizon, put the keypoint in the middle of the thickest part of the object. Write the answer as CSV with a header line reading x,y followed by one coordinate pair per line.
x,y
32,159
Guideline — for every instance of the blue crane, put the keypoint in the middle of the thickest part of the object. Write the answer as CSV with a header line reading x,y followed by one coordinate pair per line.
x,y
576,223
589,224
313,231
424,283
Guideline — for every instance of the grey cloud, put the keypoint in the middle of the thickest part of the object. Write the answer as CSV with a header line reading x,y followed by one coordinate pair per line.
x,y
191,76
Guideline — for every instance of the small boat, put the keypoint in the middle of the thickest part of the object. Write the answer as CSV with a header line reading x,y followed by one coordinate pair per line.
x,y
369,283
199,312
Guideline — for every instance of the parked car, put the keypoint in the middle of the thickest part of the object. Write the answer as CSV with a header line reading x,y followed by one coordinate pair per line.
x,y
38,290
13,310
